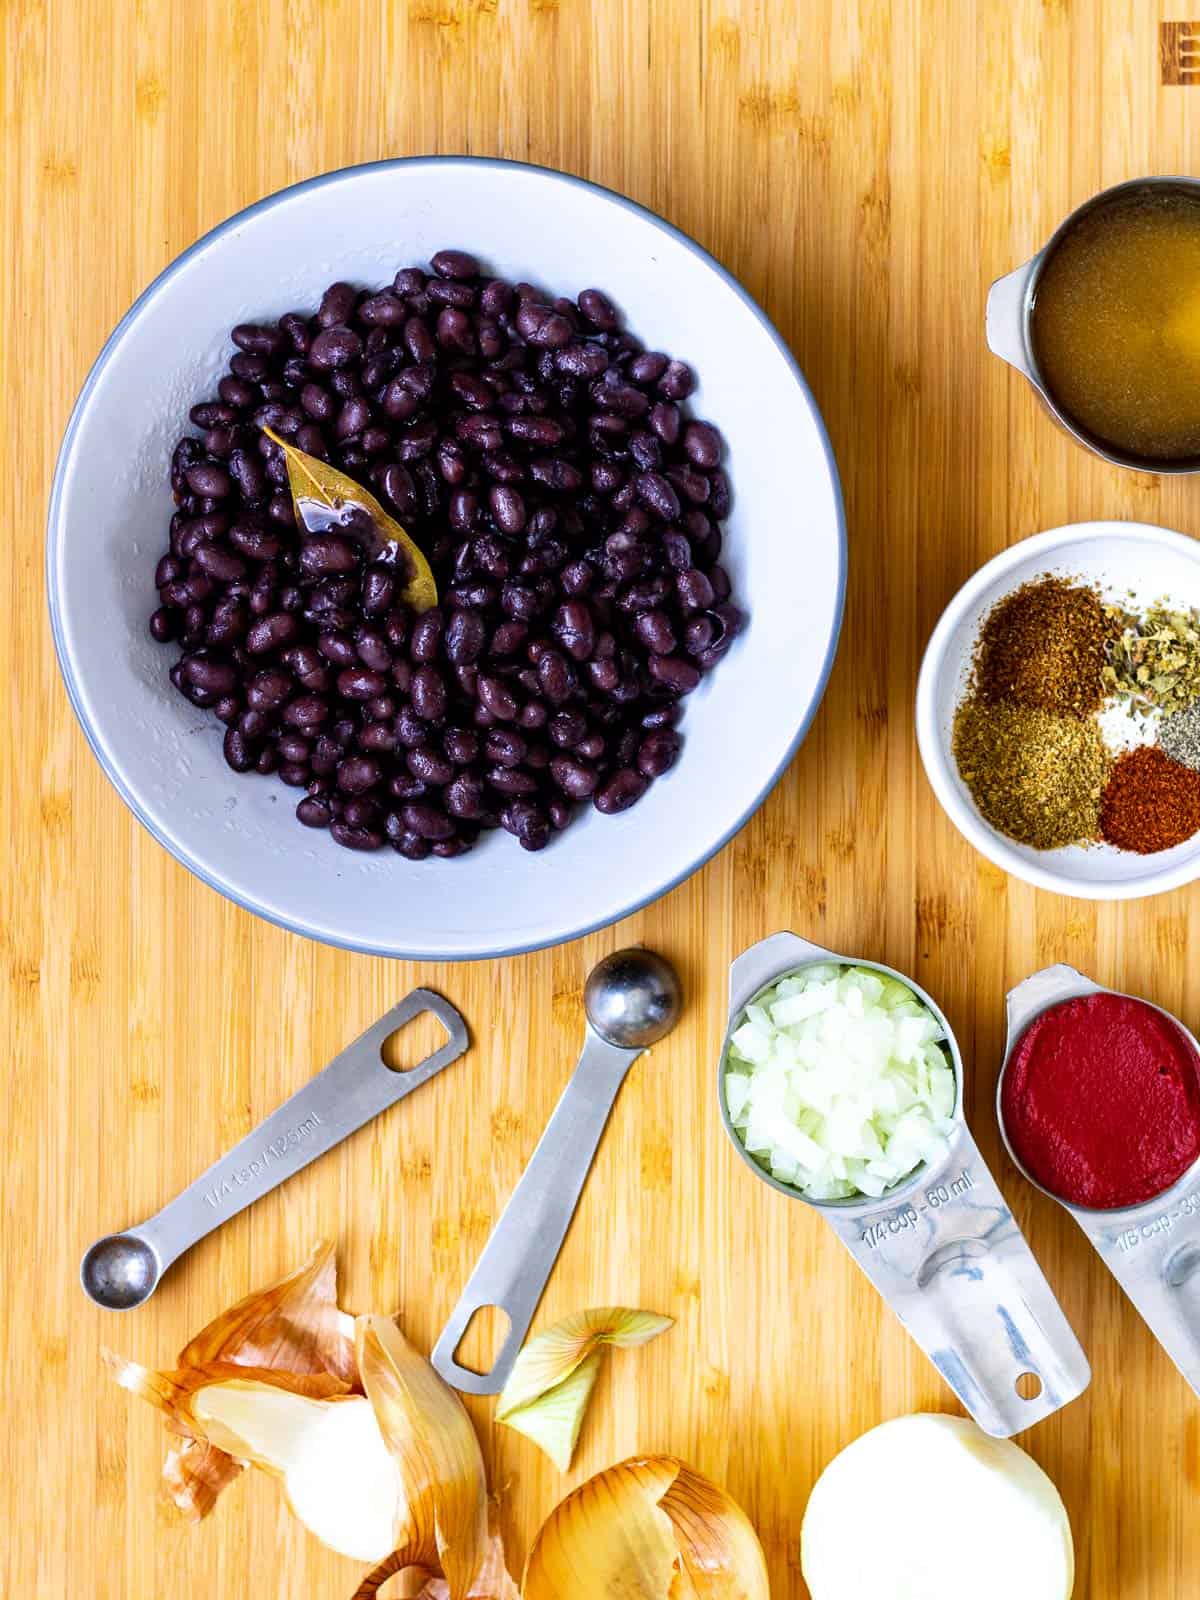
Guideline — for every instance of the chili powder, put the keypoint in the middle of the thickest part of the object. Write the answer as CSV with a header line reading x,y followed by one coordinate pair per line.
x,y
1045,646
1101,1101
1150,802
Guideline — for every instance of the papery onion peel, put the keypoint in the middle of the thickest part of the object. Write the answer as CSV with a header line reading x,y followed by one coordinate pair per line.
x,y
551,1383
650,1528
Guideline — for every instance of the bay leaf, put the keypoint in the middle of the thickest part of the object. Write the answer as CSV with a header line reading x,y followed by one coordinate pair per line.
x,y
331,493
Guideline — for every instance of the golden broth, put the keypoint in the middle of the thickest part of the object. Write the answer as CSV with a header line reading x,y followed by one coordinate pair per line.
x,y
1116,324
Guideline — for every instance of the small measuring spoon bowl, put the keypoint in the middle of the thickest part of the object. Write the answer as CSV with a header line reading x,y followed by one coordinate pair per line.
x,y
942,1246
122,1270
1152,1249
632,1000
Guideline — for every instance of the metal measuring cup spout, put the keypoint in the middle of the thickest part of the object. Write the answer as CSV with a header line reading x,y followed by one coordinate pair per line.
x,y
631,1000
1153,1248
942,1247
122,1270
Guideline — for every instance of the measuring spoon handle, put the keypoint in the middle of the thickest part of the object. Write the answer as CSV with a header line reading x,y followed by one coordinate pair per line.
x,y
520,1255
355,1087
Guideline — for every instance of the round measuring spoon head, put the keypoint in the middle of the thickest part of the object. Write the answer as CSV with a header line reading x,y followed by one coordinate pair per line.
x,y
632,999
120,1272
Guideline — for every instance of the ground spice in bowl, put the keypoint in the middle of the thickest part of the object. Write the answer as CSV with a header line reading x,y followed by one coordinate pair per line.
x,y
1045,646
1179,736
1150,802
1035,776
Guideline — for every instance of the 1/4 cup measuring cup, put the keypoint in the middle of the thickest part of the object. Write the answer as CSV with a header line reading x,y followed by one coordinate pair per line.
x,y
942,1246
1151,1249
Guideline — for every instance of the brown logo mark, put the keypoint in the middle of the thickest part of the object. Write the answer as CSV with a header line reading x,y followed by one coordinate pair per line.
x,y
1179,52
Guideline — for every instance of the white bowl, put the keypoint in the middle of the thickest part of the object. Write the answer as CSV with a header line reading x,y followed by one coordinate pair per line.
x,y
1130,561
785,549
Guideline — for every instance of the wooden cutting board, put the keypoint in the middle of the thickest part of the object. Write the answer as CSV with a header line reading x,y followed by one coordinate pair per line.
x,y
866,168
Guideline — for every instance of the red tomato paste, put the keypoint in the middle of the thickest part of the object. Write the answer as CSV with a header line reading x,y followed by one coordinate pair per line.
x,y
1101,1101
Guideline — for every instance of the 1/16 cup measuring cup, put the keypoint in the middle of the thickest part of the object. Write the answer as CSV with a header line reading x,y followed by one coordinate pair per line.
x,y
942,1247
1151,1249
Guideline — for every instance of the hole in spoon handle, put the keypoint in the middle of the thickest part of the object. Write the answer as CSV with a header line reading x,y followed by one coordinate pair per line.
x,y
466,1379
519,1257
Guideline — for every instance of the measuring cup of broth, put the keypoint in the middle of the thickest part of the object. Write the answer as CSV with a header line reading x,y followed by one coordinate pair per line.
x,y
941,1246
1105,324
1148,1235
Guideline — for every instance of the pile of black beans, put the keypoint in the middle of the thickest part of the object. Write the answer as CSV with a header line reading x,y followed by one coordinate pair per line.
x,y
569,508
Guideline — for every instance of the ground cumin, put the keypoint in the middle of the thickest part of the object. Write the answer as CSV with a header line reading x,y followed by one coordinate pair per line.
x,y
1034,776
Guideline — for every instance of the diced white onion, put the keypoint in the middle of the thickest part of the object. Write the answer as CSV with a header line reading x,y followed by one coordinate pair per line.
x,y
837,1082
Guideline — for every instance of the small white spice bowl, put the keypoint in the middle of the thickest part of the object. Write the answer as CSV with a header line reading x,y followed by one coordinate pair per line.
x,y
1131,562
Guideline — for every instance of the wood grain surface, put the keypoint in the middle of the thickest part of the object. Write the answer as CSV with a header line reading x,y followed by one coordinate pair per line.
x,y
866,168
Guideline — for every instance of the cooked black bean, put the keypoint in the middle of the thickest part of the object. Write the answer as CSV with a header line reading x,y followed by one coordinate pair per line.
x,y
465,637
694,589
496,698
702,444
324,553
598,309
307,711
314,812
269,689
618,793
464,797
454,264
654,630
378,589
674,672
426,821
357,774
239,752
426,636
334,348
574,777
429,694
508,508
219,562
355,838
271,632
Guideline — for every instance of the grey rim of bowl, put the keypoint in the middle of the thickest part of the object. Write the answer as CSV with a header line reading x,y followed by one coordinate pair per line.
x,y
1078,432
852,1204
1181,1183
53,538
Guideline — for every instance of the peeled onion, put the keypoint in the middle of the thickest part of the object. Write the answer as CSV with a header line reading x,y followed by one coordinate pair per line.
x,y
932,1508
837,1082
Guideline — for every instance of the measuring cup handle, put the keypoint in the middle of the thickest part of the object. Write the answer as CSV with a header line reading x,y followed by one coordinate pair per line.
x,y
518,1258
1154,1255
356,1086
955,1268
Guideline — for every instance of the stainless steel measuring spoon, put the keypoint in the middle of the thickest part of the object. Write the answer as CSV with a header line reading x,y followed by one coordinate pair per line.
x,y
123,1270
942,1247
632,1000
1151,1249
